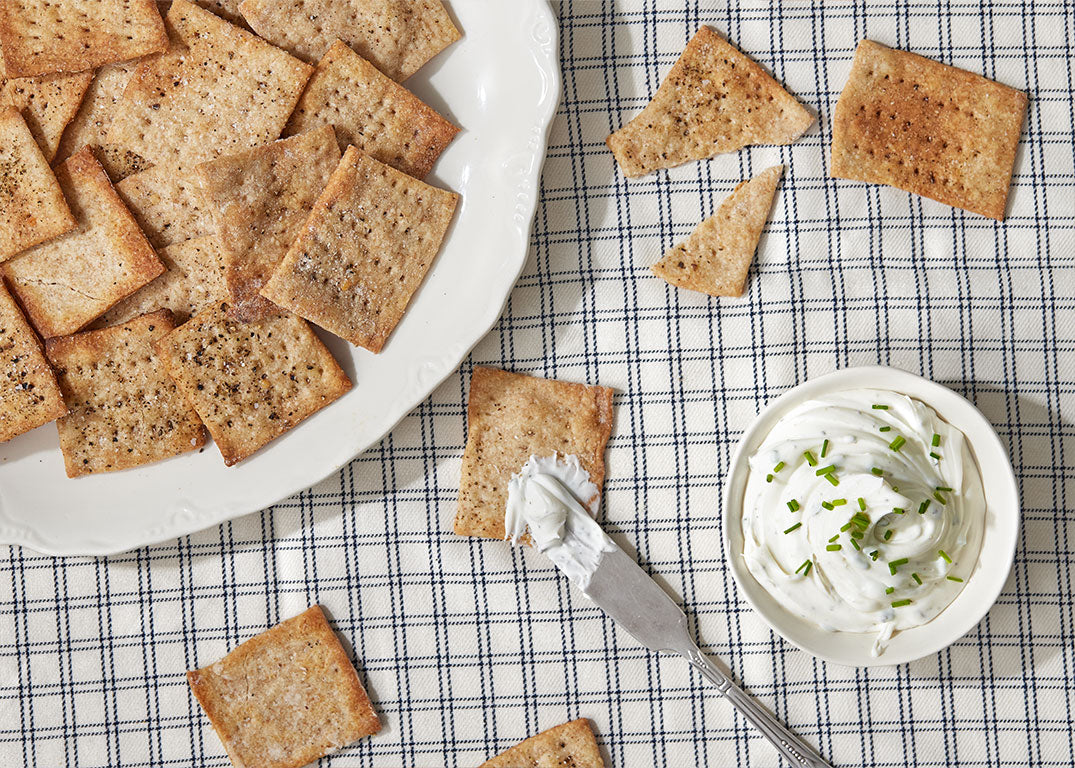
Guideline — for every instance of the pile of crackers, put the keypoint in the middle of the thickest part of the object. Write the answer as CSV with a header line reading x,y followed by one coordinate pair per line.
x,y
182,195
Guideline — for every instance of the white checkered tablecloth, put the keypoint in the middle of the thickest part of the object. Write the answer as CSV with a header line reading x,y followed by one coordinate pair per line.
x,y
469,646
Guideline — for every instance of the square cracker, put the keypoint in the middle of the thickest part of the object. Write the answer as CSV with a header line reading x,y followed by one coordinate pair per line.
x,y
397,37
251,382
226,9
571,744
194,281
286,697
511,417
372,112
162,117
45,36
715,99
364,251
66,283
48,103
259,200
29,395
716,258
928,128
32,205
167,204
123,410
90,123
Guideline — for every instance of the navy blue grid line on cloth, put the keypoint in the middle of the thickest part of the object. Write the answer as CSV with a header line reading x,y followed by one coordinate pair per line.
x,y
470,646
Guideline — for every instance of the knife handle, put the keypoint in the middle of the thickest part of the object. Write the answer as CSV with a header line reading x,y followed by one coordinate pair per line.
x,y
797,752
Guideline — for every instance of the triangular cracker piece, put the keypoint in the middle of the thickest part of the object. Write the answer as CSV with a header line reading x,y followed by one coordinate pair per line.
x,y
167,203
364,250
29,395
398,36
67,282
715,100
927,128
372,112
251,382
163,117
286,697
571,744
89,125
48,103
32,205
716,258
123,410
259,200
45,36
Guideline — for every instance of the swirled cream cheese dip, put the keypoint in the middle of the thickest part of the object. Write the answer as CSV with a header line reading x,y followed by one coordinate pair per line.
x,y
547,497
863,512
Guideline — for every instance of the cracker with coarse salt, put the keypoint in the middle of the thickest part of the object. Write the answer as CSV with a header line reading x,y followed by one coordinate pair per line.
x,y
66,283
251,382
259,200
286,697
45,36
511,417
927,128
716,258
162,116
364,250
372,112
32,205
571,744
167,204
29,395
715,99
122,409
90,124
397,37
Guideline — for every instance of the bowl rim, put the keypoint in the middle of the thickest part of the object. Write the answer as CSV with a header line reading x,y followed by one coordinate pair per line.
x,y
1001,532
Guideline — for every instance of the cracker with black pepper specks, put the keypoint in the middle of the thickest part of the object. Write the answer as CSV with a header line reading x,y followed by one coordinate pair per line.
x,y
571,744
90,124
167,204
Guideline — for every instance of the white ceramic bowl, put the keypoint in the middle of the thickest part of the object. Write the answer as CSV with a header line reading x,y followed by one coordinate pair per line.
x,y
998,541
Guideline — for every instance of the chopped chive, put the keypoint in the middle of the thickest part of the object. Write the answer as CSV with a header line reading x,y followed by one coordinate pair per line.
x,y
894,565
895,489
862,504
936,440
807,564
898,510
826,470
793,505
832,478
940,498
768,478
900,603
861,521
934,455
944,555
810,458
879,407
888,534
885,428
877,471
923,507
857,534
944,488
874,554
824,448
846,527
838,502
834,538
855,544
897,443
834,547
792,528
778,467
917,578
827,505
889,590
954,578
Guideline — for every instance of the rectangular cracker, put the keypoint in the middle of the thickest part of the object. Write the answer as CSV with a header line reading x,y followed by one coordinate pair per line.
x,y
251,382
511,417
32,205
259,200
571,744
47,103
66,283
225,9
364,251
123,410
397,37
167,204
90,123
372,112
162,117
194,281
286,697
715,99
41,37
29,394
927,128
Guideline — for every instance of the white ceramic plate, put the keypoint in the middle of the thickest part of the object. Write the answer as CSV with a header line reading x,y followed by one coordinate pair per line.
x,y
998,541
501,84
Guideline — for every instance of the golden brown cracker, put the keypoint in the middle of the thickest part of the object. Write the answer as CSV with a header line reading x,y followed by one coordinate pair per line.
x,y
571,744
511,417
928,128
167,204
715,99
716,258
90,123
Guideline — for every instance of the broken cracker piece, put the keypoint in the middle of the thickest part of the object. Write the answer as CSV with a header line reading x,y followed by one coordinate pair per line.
x,y
364,251
511,417
372,112
251,382
715,99
571,744
123,410
716,258
29,394
167,204
259,200
927,128
67,282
